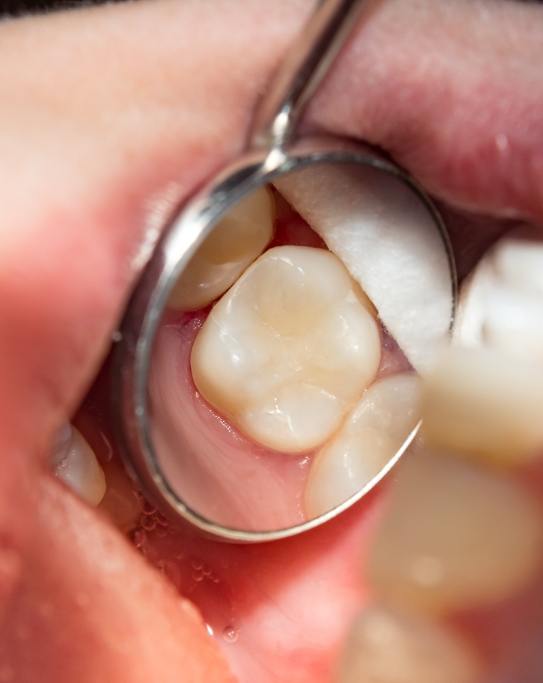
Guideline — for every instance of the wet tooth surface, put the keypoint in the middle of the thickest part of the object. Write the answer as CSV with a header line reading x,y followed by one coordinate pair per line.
x,y
501,303
455,536
484,404
369,438
75,463
235,242
120,502
388,241
288,349
389,647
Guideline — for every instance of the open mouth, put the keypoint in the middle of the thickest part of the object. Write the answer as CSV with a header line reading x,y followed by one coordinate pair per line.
x,y
432,577
450,540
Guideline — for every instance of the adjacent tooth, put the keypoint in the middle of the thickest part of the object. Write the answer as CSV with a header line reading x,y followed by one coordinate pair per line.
x,y
75,463
455,536
367,442
288,349
389,647
235,242
120,502
389,243
484,404
501,302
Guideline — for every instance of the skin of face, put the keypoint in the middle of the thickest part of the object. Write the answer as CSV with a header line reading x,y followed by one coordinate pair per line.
x,y
110,115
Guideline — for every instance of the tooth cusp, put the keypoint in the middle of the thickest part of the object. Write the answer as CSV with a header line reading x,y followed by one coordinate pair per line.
x,y
288,349
501,302
75,463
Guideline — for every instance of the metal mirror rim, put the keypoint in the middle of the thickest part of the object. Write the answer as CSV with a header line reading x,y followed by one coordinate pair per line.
x,y
132,355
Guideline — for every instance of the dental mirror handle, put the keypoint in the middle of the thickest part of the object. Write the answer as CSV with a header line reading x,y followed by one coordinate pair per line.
x,y
302,70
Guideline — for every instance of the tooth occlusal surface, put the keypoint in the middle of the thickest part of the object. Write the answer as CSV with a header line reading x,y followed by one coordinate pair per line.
x,y
75,463
365,444
288,349
239,237
386,646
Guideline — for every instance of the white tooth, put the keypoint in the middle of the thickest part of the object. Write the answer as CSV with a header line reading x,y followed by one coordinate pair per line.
x,y
75,463
501,302
368,441
454,536
388,242
235,242
389,647
288,349
120,502
484,404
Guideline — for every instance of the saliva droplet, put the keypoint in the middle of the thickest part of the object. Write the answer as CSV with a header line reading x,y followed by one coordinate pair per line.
x,y
230,634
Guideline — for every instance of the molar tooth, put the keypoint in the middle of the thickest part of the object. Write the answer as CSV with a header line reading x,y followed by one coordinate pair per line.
x,y
389,243
233,244
455,536
501,302
518,258
368,440
385,646
484,404
75,463
288,349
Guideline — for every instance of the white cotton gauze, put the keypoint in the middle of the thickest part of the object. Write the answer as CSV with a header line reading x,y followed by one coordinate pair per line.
x,y
390,244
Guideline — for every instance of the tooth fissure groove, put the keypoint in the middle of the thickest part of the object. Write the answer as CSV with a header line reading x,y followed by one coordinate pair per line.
x,y
288,349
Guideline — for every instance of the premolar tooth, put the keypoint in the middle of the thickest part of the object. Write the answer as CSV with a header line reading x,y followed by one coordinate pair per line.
x,y
455,536
389,647
501,302
235,242
365,444
75,463
484,404
288,349
389,243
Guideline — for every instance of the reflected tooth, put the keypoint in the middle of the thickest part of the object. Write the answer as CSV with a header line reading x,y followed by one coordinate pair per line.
x,y
501,302
233,244
455,536
288,349
385,646
365,444
75,463
484,404
388,241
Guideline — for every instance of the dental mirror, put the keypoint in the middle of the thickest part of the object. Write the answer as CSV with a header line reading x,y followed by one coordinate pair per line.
x,y
267,375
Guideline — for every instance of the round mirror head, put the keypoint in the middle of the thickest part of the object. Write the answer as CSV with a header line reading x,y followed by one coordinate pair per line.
x,y
282,381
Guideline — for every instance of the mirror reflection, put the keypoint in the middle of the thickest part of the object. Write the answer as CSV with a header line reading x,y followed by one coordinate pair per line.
x,y
285,371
